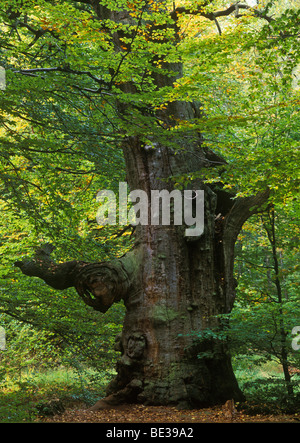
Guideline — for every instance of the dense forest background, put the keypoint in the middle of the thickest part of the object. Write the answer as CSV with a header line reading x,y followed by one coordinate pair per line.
x,y
58,148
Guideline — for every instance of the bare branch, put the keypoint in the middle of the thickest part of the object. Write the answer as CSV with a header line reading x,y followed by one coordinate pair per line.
x,y
33,73
65,68
224,13
218,26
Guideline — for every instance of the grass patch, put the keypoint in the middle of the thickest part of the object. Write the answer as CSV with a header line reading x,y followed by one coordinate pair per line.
x,y
264,387
21,399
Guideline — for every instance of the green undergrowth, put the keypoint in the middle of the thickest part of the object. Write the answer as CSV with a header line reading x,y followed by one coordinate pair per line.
x,y
27,398
264,387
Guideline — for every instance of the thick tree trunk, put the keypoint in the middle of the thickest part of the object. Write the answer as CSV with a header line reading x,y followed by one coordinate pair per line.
x,y
182,285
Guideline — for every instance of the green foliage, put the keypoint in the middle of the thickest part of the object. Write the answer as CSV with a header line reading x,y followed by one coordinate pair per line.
x,y
60,143
258,330
247,82
264,386
258,308
70,358
63,327
205,341
26,398
267,306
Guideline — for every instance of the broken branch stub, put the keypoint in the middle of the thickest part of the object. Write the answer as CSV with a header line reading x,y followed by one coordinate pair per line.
x,y
102,284
98,284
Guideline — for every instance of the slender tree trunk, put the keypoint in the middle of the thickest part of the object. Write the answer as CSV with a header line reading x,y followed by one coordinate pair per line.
x,y
283,354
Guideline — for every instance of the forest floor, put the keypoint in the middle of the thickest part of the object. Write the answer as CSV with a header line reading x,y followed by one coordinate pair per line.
x,y
161,414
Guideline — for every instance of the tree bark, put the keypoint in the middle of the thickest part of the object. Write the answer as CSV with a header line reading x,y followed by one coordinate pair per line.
x,y
98,284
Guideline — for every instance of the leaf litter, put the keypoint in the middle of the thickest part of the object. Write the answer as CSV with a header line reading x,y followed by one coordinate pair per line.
x,y
164,414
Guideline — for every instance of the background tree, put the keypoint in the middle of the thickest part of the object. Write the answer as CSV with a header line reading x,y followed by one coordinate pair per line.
x,y
267,300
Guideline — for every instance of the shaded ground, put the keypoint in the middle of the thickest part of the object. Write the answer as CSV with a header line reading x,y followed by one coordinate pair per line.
x,y
161,414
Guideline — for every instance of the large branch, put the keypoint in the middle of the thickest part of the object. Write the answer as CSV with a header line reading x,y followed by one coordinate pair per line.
x,y
98,284
234,8
241,211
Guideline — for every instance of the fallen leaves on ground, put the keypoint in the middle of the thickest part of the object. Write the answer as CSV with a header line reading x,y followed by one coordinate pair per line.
x,y
162,414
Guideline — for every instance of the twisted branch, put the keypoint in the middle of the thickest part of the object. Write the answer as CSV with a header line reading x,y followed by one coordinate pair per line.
x,y
98,284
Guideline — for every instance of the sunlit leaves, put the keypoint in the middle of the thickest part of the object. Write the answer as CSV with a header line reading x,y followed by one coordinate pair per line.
x,y
262,312
245,82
